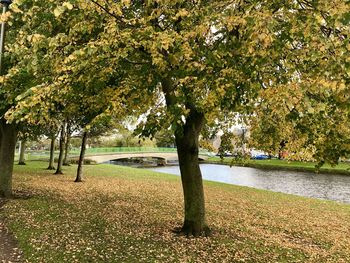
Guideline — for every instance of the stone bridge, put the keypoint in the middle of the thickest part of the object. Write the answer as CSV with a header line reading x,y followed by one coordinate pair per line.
x,y
165,157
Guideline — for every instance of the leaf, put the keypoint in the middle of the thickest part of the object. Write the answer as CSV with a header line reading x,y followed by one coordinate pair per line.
x,y
59,11
68,5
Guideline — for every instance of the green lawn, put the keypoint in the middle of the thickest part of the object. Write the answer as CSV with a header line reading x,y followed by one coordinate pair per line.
x,y
121,214
342,168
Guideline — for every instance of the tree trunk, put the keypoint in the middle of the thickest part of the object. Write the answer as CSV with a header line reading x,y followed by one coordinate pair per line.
x,y
66,161
187,141
62,147
7,156
81,158
22,150
52,154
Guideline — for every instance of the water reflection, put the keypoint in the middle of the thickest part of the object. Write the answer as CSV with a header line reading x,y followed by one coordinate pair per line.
x,y
323,186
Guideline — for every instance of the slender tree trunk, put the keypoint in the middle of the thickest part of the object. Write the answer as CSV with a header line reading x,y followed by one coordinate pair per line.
x,y
7,156
66,161
52,154
22,150
61,154
81,158
187,141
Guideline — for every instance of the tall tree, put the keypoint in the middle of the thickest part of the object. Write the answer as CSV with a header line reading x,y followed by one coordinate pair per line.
x,y
207,58
22,148
52,153
69,131
43,36
61,148
79,176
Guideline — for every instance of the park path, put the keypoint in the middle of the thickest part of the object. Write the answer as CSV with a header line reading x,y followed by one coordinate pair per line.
x,y
9,251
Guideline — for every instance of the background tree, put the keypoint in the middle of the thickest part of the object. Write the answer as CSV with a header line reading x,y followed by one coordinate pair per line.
x,y
69,131
48,37
165,138
62,146
98,126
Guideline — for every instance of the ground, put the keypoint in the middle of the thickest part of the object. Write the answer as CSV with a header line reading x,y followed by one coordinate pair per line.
x,y
9,251
121,214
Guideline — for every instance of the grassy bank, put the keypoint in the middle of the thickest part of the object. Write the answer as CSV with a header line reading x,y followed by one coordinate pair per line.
x,y
121,214
341,168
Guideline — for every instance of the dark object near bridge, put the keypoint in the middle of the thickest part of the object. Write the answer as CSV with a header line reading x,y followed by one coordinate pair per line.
x,y
261,157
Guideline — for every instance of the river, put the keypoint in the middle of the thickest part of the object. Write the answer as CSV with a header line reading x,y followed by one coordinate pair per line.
x,y
322,186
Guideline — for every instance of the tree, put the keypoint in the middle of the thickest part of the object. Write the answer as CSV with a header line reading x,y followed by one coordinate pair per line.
x,y
41,51
22,148
165,138
69,131
52,153
7,151
62,148
27,133
97,126
207,58
15,80
78,178
310,111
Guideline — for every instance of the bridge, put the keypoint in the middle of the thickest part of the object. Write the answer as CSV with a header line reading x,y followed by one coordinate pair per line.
x,y
163,157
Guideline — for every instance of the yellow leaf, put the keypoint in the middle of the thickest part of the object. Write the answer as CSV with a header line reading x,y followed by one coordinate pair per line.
x,y
68,5
58,11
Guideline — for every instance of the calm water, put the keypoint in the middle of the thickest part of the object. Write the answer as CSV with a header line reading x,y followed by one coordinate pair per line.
x,y
323,186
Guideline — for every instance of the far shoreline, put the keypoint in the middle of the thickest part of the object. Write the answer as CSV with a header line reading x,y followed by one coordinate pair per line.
x,y
283,165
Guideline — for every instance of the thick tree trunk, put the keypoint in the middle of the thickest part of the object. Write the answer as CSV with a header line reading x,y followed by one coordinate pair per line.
x,y
66,161
22,150
187,141
81,158
7,156
52,154
61,154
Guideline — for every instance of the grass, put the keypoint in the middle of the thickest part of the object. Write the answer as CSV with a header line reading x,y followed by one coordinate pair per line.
x,y
341,168
121,214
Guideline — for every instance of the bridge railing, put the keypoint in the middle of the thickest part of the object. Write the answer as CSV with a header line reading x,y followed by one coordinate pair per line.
x,y
128,150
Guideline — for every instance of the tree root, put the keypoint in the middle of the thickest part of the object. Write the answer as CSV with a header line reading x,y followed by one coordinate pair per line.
x,y
190,231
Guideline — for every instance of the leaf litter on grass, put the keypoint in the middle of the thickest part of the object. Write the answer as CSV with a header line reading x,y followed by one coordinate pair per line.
x,y
130,218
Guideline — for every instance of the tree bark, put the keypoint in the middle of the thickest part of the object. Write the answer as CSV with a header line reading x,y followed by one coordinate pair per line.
x,y
187,141
61,154
66,161
7,156
52,154
81,158
22,150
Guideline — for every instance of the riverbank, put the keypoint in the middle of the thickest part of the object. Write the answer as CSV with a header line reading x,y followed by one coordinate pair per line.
x,y
275,164
121,214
